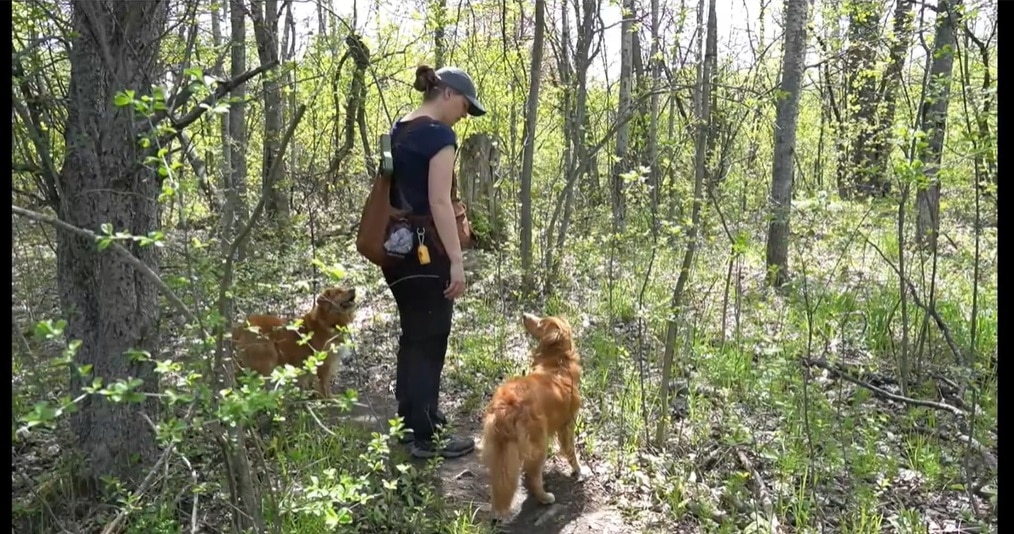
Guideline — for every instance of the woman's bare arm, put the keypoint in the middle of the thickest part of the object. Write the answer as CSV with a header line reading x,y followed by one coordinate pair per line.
x,y
441,169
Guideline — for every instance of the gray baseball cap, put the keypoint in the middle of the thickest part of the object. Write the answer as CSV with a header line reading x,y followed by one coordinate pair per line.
x,y
461,82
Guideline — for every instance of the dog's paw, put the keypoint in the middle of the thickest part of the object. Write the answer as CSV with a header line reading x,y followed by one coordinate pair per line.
x,y
547,498
498,517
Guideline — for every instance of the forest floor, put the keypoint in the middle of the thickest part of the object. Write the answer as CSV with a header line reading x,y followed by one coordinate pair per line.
x,y
583,506
757,442
740,475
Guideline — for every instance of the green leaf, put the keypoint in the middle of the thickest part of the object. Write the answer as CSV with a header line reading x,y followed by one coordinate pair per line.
x,y
47,329
123,99
95,387
42,413
330,517
136,355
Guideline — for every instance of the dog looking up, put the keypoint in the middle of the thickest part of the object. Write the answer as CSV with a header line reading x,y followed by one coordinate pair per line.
x,y
527,411
266,341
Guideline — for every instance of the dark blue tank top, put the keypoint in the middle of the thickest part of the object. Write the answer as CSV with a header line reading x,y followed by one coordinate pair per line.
x,y
412,151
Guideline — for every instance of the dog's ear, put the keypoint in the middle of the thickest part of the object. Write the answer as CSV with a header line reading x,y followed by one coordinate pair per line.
x,y
327,297
550,334
554,329
563,324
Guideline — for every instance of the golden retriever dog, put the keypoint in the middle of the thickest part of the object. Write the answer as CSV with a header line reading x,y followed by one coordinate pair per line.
x,y
526,411
267,341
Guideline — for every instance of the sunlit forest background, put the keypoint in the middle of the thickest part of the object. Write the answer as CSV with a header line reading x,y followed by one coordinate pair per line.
x,y
773,226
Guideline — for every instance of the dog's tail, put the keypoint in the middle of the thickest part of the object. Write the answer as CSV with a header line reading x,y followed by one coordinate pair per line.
x,y
505,446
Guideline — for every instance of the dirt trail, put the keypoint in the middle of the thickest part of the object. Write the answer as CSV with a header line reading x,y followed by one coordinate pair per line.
x,y
581,506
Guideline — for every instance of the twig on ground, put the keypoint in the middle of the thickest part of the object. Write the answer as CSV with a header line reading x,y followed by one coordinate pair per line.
x,y
949,390
548,514
707,462
823,364
760,489
947,381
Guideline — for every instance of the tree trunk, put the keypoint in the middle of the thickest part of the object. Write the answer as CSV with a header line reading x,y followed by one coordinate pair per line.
x,y
288,53
321,18
864,33
265,23
577,129
986,179
933,121
109,306
479,159
236,196
438,16
893,79
355,100
531,120
622,164
563,65
786,114
583,57
703,116
655,179
638,141
224,173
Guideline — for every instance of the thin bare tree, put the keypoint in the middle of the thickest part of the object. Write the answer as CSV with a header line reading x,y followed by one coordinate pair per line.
x,y
623,164
933,121
528,154
702,103
264,14
237,139
786,115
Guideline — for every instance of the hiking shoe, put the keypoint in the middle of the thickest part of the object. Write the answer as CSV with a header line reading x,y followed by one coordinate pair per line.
x,y
455,447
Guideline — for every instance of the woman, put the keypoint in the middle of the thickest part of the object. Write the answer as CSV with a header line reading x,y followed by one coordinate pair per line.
x,y
423,149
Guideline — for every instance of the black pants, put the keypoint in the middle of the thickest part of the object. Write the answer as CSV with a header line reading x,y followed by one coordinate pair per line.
x,y
425,316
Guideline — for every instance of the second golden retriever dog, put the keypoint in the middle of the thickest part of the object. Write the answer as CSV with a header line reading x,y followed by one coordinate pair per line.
x,y
266,341
527,411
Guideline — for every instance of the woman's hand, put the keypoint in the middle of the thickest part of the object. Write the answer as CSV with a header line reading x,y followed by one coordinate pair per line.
x,y
442,208
457,285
